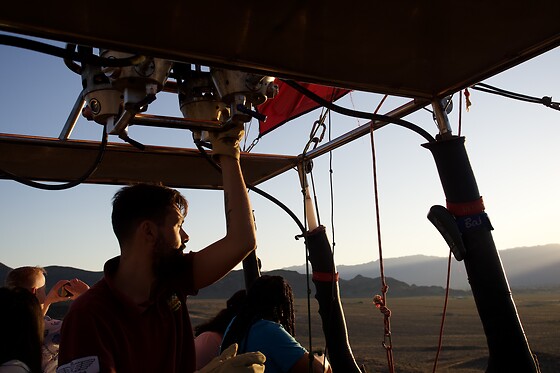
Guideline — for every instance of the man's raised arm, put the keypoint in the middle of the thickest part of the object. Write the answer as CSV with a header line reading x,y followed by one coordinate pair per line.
x,y
216,260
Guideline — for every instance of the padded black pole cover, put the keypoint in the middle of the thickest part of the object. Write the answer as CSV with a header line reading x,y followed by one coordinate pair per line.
x,y
327,294
508,347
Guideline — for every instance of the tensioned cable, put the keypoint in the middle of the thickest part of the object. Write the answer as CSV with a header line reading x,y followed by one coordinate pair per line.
x,y
460,113
67,53
313,139
70,184
331,187
545,100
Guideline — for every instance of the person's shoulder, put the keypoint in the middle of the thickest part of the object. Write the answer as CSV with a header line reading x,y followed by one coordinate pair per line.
x,y
267,327
262,323
208,336
271,331
209,333
14,366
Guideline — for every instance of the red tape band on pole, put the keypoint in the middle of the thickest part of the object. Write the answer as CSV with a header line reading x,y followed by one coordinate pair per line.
x,y
466,208
325,276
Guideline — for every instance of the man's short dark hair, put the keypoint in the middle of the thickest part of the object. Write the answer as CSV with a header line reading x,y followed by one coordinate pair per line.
x,y
136,203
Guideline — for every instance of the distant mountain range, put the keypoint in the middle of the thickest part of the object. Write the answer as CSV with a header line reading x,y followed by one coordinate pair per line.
x,y
418,275
358,287
525,267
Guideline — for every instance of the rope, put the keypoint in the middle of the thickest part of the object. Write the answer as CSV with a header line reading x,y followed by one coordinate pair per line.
x,y
248,129
331,183
309,330
313,139
306,243
443,313
354,107
315,201
331,187
380,301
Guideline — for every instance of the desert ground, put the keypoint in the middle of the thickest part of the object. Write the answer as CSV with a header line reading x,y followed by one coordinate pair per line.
x,y
415,326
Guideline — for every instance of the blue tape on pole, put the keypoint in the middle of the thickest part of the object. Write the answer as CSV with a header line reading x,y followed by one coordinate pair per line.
x,y
470,222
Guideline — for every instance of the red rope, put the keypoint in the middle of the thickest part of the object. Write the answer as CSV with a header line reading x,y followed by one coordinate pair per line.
x,y
380,301
443,313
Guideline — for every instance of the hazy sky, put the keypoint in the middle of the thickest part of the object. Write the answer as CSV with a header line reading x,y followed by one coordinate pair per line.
x,y
512,145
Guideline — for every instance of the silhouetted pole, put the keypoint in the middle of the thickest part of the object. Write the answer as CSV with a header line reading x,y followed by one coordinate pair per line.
x,y
251,269
507,345
327,294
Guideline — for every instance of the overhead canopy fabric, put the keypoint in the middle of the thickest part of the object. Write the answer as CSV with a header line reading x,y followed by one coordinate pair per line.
x,y
421,49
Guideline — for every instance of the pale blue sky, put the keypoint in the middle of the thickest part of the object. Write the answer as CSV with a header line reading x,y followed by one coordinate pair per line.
x,y
512,145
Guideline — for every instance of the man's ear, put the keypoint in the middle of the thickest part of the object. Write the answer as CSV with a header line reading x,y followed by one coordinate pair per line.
x,y
149,231
33,290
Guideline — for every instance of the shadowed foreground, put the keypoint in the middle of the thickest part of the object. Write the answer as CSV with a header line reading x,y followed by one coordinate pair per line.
x,y
415,324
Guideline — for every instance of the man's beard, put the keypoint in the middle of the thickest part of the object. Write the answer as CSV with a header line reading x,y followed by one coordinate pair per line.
x,y
166,258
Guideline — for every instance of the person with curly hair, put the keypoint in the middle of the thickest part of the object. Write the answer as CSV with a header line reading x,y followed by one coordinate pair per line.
x,y
266,323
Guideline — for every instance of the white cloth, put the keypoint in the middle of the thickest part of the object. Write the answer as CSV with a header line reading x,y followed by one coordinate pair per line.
x,y
14,366
51,345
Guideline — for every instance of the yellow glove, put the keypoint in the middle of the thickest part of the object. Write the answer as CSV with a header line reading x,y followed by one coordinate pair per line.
x,y
229,361
227,142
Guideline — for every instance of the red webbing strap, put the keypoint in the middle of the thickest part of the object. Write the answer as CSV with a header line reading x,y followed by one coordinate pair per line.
x,y
466,208
325,276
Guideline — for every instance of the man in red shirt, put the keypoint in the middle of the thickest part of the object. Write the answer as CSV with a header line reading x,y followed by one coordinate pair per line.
x,y
136,319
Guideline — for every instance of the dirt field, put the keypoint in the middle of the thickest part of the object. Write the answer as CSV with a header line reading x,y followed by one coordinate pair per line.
x,y
415,324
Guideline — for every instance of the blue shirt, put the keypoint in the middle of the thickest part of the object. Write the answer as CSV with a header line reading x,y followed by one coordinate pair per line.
x,y
282,351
